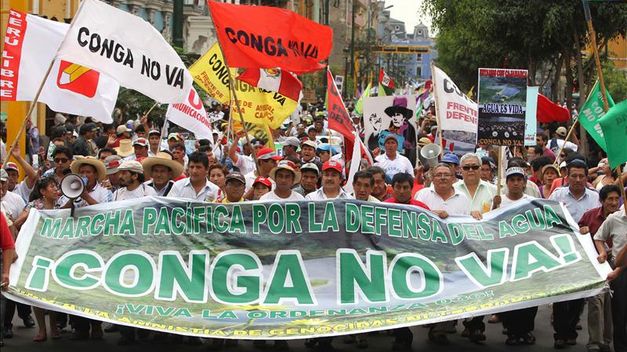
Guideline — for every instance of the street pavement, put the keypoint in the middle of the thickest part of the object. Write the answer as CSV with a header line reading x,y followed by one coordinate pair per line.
x,y
22,341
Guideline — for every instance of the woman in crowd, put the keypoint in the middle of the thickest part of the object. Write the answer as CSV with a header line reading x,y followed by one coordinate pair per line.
x,y
217,175
44,197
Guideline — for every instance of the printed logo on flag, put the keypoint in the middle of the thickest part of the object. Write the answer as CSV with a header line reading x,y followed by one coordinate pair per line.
x,y
78,79
272,72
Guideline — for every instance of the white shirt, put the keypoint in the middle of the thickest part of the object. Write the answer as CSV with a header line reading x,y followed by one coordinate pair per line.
x,y
12,204
22,190
245,164
142,191
576,207
184,189
560,143
457,204
393,167
274,196
484,194
319,195
505,200
99,194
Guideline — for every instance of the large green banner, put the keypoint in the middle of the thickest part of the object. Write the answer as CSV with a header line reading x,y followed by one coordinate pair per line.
x,y
300,269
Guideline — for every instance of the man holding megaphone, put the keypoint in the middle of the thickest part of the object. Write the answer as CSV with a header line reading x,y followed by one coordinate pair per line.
x,y
92,171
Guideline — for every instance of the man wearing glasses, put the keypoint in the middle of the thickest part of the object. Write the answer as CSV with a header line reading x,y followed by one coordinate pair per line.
x,y
62,157
480,192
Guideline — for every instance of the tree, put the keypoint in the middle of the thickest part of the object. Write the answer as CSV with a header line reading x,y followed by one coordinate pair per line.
x,y
545,37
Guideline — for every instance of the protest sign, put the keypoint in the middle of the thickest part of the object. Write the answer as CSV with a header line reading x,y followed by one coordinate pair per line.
x,y
258,106
614,127
127,48
30,46
391,114
592,111
501,96
457,114
531,123
297,269
270,37
192,116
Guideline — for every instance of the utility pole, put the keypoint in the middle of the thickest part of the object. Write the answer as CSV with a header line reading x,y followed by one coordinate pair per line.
x,y
177,20
352,45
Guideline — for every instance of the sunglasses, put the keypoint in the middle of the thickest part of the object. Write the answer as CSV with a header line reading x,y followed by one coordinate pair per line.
x,y
470,167
61,160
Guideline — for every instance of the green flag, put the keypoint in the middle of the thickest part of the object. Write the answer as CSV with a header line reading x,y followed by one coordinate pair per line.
x,y
592,111
360,103
614,126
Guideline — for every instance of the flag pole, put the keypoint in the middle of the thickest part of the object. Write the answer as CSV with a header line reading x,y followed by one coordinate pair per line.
x,y
597,60
36,98
570,131
437,115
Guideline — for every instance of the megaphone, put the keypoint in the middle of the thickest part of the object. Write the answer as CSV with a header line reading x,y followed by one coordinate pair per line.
x,y
429,153
72,186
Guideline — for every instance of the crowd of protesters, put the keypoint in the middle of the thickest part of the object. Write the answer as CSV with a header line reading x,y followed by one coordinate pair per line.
x,y
132,159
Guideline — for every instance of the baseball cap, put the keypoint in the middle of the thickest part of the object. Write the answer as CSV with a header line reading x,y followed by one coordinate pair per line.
x,y
132,166
292,141
140,141
256,143
264,181
488,161
235,176
561,131
515,171
550,166
332,165
112,164
175,135
154,132
424,141
450,158
122,129
267,153
309,143
11,166
3,175
310,166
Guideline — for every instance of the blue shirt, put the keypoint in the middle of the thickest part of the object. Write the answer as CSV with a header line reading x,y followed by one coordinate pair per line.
x,y
576,207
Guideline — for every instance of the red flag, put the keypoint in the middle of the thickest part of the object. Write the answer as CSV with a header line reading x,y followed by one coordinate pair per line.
x,y
269,37
548,111
339,120
273,79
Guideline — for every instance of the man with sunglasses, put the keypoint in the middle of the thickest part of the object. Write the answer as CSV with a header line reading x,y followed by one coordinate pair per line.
x,y
62,157
480,192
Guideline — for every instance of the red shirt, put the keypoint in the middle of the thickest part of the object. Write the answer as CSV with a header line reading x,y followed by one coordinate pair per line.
x,y
417,187
6,240
593,218
412,201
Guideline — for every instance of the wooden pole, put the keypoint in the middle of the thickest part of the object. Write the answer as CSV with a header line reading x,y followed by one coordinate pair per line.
x,y
570,131
597,60
499,169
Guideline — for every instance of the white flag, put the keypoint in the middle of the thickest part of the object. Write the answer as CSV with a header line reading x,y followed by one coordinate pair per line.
x,y
192,116
457,114
30,45
127,48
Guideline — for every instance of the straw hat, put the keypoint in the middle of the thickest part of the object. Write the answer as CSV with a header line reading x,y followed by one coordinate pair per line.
x,y
286,165
162,159
89,160
126,148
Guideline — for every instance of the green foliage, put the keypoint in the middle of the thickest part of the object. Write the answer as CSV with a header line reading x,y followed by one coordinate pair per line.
x,y
515,34
615,82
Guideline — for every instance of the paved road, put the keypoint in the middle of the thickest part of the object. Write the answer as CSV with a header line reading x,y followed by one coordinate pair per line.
x,y
22,341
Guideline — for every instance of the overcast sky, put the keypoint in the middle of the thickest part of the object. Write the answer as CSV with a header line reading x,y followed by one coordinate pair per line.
x,y
408,11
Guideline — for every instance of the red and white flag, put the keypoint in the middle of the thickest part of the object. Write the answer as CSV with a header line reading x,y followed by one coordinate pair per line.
x,y
30,45
273,79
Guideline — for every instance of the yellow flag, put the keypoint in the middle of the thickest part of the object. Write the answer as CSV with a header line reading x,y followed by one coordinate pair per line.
x,y
258,106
